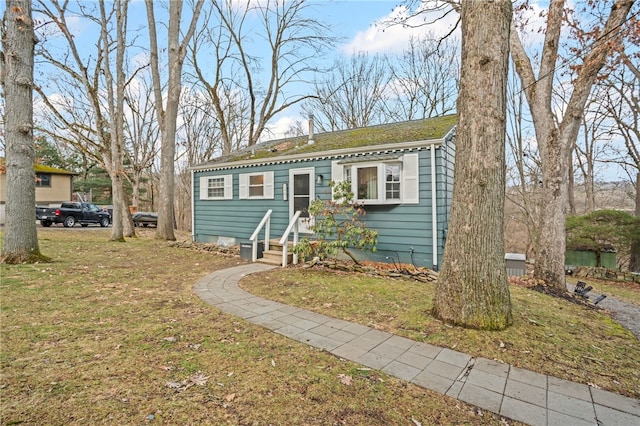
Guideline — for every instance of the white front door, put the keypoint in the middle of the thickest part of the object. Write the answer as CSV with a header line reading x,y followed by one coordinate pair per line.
x,y
302,192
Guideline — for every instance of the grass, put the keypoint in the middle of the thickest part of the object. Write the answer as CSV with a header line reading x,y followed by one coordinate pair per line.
x,y
111,333
549,335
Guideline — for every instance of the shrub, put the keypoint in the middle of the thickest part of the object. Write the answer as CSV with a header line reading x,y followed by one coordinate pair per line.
x,y
338,226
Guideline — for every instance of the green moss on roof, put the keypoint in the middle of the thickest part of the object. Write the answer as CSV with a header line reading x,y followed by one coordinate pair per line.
x,y
39,168
406,131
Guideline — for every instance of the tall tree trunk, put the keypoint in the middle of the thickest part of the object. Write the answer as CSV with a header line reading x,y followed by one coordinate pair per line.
x,y
571,183
115,106
550,244
20,237
555,141
472,288
168,118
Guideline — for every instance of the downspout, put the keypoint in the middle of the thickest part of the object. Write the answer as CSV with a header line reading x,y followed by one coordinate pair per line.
x,y
434,209
193,206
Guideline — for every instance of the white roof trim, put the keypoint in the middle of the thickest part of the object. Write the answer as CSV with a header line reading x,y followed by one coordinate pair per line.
x,y
322,155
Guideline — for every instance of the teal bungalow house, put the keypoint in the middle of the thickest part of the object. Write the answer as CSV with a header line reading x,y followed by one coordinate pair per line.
x,y
401,172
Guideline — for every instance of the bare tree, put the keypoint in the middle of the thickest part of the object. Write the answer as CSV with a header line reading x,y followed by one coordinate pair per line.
x,y
556,140
354,94
524,170
247,86
556,136
18,39
425,78
115,87
142,136
84,100
472,288
177,50
198,140
591,145
623,105
199,133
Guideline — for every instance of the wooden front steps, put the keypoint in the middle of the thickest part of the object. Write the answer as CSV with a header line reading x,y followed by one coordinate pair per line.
x,y
273,256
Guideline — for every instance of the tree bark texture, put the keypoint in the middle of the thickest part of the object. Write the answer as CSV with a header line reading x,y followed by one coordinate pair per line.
x,y
20,237
555,141
176,54
115,107
472,289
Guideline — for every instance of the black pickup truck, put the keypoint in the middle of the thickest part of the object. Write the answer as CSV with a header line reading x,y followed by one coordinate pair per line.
x,y
71,213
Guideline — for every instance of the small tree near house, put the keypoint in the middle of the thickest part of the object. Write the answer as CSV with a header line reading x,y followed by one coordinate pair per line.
x,y
338,226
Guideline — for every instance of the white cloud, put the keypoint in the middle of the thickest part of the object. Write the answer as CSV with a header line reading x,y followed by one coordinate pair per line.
x,y
141,59
279,128
381,37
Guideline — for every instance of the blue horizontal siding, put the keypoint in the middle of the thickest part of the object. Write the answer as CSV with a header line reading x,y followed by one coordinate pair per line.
x,y
404,230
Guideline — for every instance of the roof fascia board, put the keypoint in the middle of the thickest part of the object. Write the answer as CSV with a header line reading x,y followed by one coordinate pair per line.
x,y
320,154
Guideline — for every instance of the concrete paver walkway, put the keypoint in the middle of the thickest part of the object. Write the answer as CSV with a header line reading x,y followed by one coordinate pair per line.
x,y
512,392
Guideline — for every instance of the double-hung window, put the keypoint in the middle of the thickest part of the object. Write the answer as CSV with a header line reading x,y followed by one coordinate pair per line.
x,y
389,180
216,187
256,185
392,181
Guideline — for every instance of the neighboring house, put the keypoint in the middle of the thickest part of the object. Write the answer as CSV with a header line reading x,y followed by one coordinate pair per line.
x,y
401,172
53,186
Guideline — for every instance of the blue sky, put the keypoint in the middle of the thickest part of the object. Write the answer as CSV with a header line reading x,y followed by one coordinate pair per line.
x,y
353,21
358,24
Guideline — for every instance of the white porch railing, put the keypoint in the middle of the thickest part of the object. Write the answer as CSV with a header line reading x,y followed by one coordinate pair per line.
x,y
293,227
266,224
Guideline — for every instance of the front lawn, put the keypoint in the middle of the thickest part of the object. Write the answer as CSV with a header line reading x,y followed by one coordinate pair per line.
x,y
549,335
112,334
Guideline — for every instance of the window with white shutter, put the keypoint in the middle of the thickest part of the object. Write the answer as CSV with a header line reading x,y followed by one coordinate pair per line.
x,y
392,180
216,187
256,185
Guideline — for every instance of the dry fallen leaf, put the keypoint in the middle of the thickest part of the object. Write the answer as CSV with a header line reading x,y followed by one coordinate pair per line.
x,y
230,397
345,379
199,379
174,385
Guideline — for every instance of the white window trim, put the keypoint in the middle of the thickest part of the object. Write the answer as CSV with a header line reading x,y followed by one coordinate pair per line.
x,y
409,178
228,187
267,193
382,169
